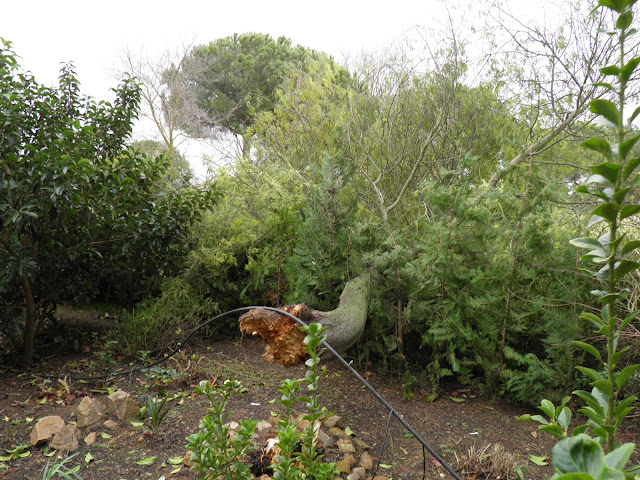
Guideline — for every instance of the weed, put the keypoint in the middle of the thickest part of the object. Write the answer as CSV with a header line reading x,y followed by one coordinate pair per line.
x,y
154,410
57,468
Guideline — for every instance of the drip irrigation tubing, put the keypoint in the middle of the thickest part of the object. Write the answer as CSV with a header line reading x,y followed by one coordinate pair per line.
x,y
329,348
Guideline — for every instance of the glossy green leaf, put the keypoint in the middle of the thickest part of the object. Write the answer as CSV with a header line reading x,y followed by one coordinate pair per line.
x,y
625,374
554,430
628,69
613,297
588,348
533,418
608,170
629,210
564,418
607,110
594,220
626,146
610,70
598,145
630,246
604,386
630,167
624,267
591,318
593,191
608,211
619,457
589,372
633,115
586,242
624,20
580,454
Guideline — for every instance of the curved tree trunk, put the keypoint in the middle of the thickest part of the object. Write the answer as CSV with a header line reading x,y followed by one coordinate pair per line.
x,y
345,324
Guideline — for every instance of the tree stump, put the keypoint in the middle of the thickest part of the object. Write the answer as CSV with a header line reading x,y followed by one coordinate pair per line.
x,y
345,324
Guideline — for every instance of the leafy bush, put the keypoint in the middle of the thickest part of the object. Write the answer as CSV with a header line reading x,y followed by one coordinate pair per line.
x,y
179,308
476,283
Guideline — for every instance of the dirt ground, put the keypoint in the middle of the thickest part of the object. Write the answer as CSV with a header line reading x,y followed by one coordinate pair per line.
x,y
459,430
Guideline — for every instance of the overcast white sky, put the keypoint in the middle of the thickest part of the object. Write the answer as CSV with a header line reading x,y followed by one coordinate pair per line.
x,y
92,34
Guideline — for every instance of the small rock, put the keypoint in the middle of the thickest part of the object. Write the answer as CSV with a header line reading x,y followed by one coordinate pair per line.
x,y
333,421
380,477
302,424
90,438
263,425
66,439
359,471
362,445
89,412
110,424
343,467
350,459
337,432
366,461
345,446
354,476
123,405
45,429
327,441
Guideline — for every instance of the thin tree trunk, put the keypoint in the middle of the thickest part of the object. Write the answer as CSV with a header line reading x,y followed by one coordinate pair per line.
x,y
30,322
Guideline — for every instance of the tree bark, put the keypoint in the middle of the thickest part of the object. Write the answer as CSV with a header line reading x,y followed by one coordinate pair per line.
x,y
30,323
345,324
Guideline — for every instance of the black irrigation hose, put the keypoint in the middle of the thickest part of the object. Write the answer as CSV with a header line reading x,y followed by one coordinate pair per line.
x,y
404,423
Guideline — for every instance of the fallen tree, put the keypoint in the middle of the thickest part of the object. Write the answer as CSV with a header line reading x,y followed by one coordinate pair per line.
x,y
284,339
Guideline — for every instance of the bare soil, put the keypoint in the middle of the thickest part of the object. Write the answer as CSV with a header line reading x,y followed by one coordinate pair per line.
x,y
451,428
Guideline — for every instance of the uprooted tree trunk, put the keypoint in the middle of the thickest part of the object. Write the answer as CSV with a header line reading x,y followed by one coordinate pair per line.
x,y
345,324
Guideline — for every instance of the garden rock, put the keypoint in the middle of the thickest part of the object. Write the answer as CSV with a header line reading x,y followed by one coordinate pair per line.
x,y
66,439
89,412
110,424
345,446
366,461
44,430
333,421
123,405
343,467
90,438
327,440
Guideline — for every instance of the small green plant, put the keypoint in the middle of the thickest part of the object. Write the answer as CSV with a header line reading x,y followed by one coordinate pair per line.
x,y
215,453
155,409
56,468
299,456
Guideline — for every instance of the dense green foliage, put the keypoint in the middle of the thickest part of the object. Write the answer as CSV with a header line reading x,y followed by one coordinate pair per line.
x,y
81,215
473,283
459,196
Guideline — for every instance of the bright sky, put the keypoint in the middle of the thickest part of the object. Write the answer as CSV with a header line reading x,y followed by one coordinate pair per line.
x,y
91,34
